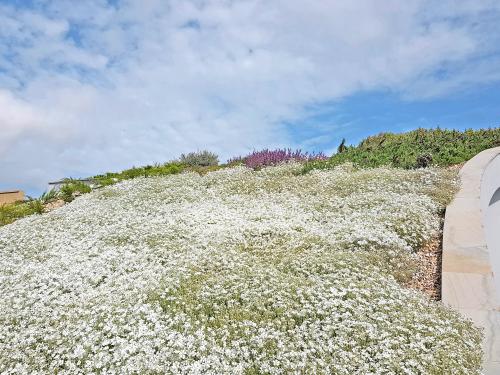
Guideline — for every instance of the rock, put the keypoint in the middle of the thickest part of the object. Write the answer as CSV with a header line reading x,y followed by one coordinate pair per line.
x,y
51,206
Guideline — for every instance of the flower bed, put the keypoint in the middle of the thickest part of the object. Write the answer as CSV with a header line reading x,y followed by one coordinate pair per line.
x,y
266,158
237,271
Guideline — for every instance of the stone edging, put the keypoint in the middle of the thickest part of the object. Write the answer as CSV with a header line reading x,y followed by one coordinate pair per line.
x,y
468,264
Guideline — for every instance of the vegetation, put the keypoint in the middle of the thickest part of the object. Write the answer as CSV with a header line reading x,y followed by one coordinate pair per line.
x,y
265,158
73,187
49,196
418,148
200,159
36,206
234,272
201,162
310,280
13,211
166,169
342,147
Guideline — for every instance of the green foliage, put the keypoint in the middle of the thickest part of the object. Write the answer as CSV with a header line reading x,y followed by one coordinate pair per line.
x,y
48,196
341,147
106,181
200,159
73,186
233,162
36,206
424,161
418,148
147,171
13,211
66,193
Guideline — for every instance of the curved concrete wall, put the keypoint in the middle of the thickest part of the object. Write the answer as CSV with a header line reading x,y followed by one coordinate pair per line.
x,y
471,251
490,208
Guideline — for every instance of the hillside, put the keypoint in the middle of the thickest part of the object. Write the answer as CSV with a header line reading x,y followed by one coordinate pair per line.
x,y
235,271
419,148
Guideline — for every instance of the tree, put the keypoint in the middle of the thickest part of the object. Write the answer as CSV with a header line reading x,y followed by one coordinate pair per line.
x,y
342,147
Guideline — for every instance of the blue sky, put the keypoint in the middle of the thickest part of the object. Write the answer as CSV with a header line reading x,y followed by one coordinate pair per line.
x,y
88,87
363,114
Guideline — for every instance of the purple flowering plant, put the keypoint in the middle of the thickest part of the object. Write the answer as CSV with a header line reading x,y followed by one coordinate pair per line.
x,y
264,158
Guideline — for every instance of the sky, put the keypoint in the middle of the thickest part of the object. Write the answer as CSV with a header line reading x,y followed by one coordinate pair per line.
x,y
93,86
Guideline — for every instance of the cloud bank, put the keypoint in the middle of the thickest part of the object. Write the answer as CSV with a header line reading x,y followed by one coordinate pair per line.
x,y
87,87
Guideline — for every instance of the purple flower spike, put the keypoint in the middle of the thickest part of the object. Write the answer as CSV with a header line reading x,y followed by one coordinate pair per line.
x,y
259,159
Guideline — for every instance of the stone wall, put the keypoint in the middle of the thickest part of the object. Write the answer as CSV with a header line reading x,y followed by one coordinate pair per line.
x,y
471,256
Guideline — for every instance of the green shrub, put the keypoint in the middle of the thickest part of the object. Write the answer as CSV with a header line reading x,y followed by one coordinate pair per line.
x,y
66,192
73,186
13,211
48,196
132,173
164,169
424,161
106,181
36,206
342,147
415,149
147,171
199,159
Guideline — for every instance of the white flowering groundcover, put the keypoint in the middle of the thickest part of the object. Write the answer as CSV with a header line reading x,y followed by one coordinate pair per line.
x,y
233,272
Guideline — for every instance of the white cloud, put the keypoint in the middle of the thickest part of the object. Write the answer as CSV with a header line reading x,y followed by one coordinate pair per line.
x,y
16,118
108,86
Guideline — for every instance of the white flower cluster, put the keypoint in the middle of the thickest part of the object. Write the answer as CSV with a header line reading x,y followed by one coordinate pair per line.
x,y
233,272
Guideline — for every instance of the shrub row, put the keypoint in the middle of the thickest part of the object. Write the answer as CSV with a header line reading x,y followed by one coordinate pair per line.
x,y
415,149
166,169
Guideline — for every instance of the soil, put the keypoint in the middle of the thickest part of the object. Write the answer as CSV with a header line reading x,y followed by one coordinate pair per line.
x,y
51,206
427,279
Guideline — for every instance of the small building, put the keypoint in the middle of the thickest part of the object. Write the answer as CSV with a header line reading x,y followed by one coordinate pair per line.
x,y
11,196
56,185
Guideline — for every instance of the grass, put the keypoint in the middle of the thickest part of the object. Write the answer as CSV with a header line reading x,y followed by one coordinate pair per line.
x,y
13,211
48,196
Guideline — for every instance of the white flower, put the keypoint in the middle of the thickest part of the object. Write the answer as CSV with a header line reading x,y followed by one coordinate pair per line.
x,y
233,272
